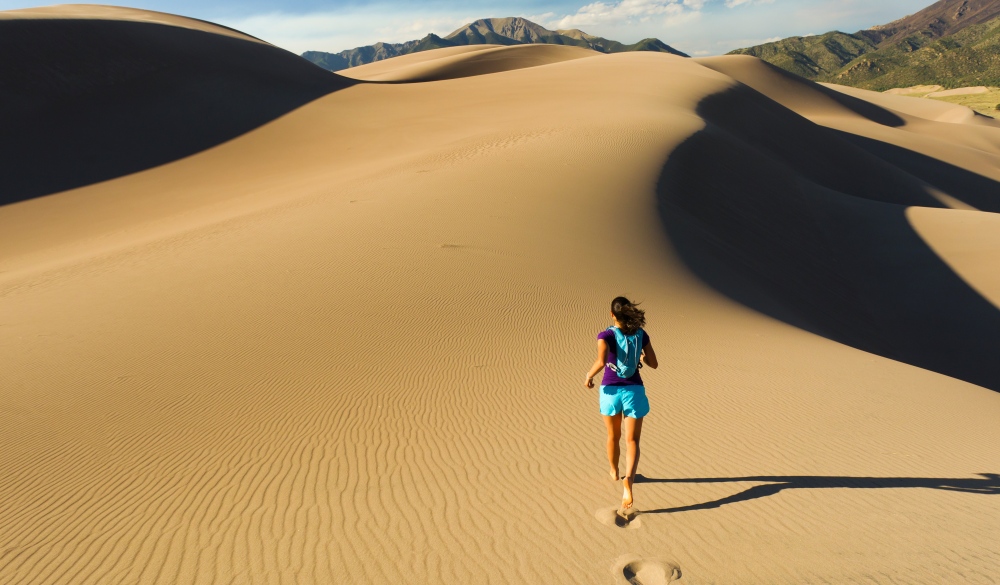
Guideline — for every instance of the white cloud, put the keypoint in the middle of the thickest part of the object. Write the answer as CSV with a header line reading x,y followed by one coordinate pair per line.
x,y
631,11
541,18
334,32
745,42
735,3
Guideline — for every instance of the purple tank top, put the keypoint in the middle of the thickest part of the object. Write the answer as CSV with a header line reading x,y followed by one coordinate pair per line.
x,y
610,377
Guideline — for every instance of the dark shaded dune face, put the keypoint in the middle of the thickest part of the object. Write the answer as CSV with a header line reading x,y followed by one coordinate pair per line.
x,y
91,100
973,189
792,220
793,91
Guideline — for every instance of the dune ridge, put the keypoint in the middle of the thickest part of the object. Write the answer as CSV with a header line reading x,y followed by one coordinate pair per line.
x,y
348,343
93,93
465,62
120,13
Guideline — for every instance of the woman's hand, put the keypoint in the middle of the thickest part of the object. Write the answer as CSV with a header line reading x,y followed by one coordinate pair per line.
x,y
602,354
649,356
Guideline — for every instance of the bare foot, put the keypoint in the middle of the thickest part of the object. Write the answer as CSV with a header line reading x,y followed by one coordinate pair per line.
x,y
627,494
614,475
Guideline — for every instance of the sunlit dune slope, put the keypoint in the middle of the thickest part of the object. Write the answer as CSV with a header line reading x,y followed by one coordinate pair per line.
x,y
825,99
437,55
760,177
93,93
465,62
933,141
346,343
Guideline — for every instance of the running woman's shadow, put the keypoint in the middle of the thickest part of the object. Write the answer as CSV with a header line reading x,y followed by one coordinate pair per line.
x,y
989,484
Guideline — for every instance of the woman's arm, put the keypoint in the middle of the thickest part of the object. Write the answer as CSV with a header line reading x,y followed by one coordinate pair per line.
x,y
649,356
602,355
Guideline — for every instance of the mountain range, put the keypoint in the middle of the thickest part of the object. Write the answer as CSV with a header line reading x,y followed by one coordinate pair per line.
x,y
952,43
496,31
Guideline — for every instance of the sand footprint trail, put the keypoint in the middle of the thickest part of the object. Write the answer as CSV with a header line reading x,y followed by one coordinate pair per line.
x,y
614,518
633,570
350,342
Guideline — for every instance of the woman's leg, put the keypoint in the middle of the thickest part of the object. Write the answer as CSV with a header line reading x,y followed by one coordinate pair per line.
x,y
633,430
614,426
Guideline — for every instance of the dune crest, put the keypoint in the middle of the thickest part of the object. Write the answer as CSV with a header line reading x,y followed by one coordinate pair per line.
x,y
921,89
121,13
452,63
960,91
94,93
345,339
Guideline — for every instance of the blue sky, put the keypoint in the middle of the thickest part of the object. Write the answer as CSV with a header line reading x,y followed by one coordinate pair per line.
x,y
698,27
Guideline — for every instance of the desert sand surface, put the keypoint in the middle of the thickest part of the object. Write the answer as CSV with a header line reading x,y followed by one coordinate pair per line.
x,y
921,89
455,62
960,91
342,339
980,99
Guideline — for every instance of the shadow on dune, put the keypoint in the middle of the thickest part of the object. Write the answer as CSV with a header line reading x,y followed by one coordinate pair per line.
x,y
764,76
91,100
988,485
976,190
868,110
791,220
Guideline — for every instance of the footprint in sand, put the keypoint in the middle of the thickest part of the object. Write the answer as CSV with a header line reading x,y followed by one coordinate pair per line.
x,y
612,517
635,570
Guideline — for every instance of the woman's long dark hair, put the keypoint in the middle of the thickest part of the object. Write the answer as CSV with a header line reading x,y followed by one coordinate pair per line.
x,y
630,316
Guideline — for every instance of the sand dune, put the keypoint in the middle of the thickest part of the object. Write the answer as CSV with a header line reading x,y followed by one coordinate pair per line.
x,y
101,92
120,13
455,62
960,91
403,61
923,89
854,257
345,342
932,110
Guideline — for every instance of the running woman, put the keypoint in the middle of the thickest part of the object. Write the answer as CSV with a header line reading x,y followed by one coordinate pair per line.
x,y
622,399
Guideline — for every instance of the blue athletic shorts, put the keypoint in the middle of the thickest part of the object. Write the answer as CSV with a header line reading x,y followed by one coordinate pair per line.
x,y
630,400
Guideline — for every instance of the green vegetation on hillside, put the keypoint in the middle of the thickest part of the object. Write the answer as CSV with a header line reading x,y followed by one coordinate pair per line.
x,y
812,57
949,43
650,44
970,57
